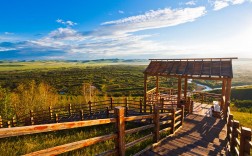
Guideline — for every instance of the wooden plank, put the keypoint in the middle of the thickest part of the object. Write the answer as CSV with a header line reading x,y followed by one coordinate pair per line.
x,y
139,129
72,146
179,90
145,91
132,118
165,122
128,145
157,126
165,129
17,131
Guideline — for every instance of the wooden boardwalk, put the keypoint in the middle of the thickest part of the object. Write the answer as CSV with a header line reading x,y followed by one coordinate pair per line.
x,y
199,135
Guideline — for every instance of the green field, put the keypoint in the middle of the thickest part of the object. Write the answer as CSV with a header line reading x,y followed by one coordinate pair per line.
x,y
22,83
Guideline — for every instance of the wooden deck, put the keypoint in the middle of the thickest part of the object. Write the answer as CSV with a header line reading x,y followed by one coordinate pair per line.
x,y
199,135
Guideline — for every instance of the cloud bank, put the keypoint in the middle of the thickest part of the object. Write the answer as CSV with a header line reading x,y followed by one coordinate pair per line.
x,y
112,39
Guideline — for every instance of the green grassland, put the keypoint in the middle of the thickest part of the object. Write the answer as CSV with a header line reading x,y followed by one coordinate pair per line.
x,y
112,78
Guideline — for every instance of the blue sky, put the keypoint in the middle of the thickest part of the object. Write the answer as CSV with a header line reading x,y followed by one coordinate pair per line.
x,y
129,29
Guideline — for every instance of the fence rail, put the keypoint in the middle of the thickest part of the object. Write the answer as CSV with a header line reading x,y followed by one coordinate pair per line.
x,y
172,120
70,112
239,137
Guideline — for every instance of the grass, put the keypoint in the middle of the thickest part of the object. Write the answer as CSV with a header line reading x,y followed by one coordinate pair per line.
x,y
244,118
25,144
30,143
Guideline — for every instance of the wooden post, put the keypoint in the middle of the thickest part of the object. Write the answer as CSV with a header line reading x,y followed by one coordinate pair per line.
x,y
173,121
235,126
107,112
157,88
1,122
70,109
120,128
50,113
182,114
244,145
151,108
111,103
81,115
9,124
56,118
229,125
185,89
145,91
14,121
179,91
227,95
141,105
157,124
31,117
162,105
90,107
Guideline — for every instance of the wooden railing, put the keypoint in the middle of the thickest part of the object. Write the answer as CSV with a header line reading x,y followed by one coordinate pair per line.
x,y
72,112
205,97
171,119
163,93
239,138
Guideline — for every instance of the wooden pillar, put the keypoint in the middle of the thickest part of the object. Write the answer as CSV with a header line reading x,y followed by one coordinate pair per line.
x,y
233,142
145,91
185,89
70,109
50,113
111,103
1,122
229,125
173,121
120,128
227,95
157,88
245,138
31,117
182,114
81,115
179,90
157,124
90,107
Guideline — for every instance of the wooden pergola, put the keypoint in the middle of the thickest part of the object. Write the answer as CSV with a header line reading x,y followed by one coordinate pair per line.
x,y
192,68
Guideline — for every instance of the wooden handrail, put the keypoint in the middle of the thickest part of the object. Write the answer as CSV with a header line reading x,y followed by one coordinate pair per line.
x,y
240,139
17,131
119,135
72,146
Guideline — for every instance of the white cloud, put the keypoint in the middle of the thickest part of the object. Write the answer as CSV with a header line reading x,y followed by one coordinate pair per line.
x,y
237,1
120,12
156,19
67,23
190,3
220,4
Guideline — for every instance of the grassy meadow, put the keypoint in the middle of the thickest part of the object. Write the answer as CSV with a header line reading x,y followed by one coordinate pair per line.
x,y
23,82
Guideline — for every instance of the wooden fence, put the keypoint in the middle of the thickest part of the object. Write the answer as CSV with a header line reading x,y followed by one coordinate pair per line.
x,y
73,112
239,138
171,119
